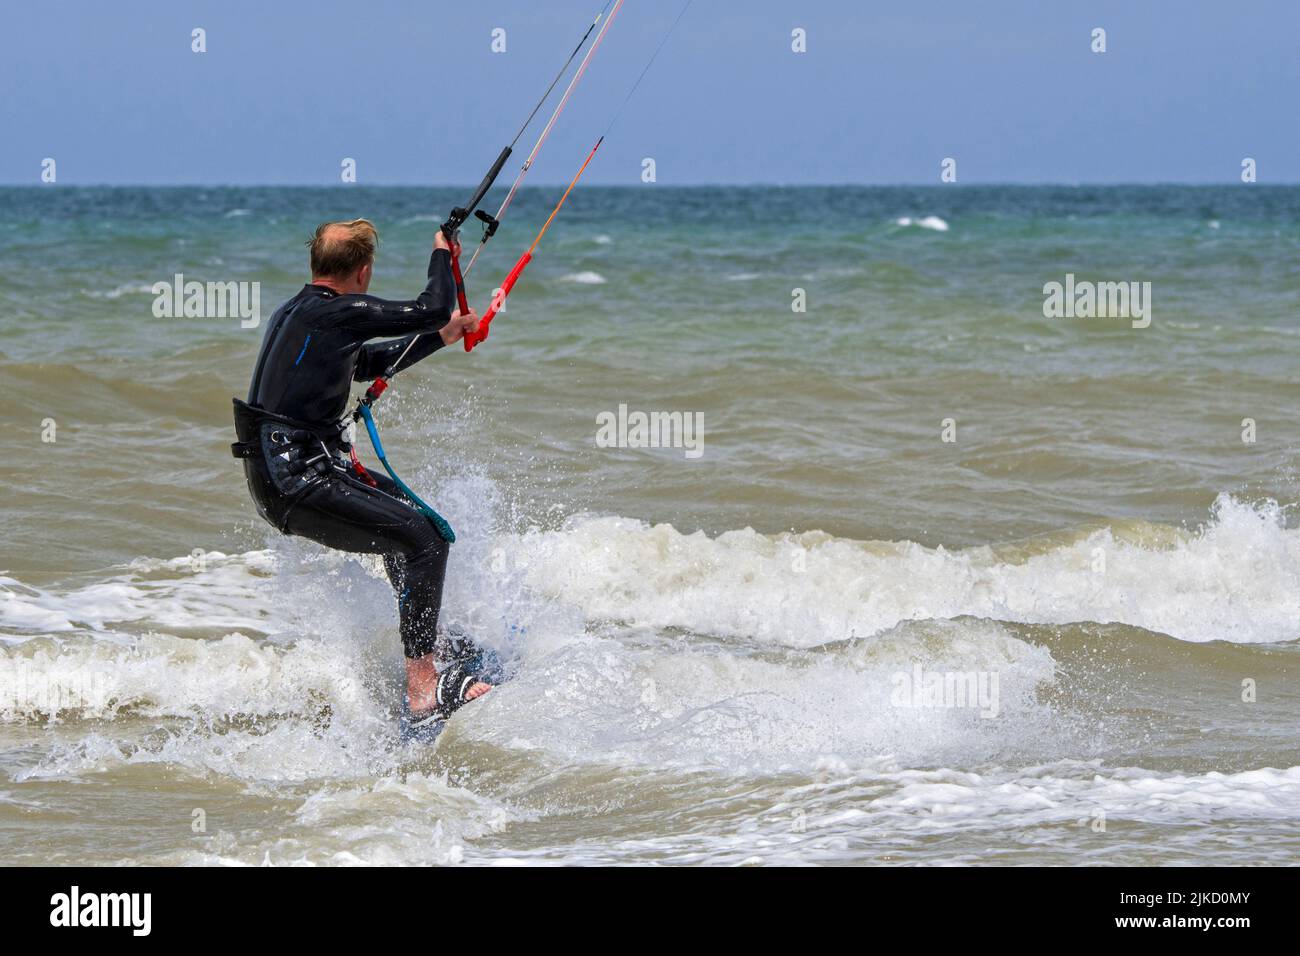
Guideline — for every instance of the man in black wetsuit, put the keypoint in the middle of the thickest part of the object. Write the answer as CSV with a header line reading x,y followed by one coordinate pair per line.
x,y
295,449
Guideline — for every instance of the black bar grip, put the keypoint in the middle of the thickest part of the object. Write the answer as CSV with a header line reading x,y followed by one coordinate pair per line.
x,y
461,213
487,182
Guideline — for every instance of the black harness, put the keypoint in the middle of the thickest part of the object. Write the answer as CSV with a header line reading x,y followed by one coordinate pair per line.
x,y
296,454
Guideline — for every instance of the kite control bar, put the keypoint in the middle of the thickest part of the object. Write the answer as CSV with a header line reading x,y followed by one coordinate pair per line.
x,y
457,219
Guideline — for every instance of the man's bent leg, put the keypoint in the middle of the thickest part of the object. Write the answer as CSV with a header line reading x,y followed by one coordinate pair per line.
x,y
351,516
417,581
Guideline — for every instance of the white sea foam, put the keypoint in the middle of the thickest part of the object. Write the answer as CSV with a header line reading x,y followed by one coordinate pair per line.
x,y
159,675
180,593
585,278
647,702
1056,794
298,705
925,222
871,813
1237,579
878,814
297,629
129,288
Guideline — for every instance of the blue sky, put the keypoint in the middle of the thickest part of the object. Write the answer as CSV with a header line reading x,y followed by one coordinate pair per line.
x,y
886,91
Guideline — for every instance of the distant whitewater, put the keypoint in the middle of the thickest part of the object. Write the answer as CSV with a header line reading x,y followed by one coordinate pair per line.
x,y
926,222
585,278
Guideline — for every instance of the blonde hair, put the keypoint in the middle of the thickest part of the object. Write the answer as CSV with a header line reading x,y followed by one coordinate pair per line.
x,y
334,255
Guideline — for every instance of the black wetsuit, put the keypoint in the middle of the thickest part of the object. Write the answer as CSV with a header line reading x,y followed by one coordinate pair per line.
x,y
294,454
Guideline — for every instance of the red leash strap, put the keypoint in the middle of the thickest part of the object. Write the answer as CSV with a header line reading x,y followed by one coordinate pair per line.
x,y
360,469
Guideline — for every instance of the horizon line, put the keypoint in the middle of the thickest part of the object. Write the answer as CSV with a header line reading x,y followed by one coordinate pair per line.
x,y
702,185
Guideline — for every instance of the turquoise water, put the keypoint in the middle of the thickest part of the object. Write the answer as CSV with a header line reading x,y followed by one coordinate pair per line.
x,y
734,619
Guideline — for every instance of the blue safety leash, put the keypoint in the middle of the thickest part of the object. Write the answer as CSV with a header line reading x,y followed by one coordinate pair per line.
x,y
439,522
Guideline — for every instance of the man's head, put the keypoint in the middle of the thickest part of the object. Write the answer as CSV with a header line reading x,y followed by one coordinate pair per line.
x,y
343,255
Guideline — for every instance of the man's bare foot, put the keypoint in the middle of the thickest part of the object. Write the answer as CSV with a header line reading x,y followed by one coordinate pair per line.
x,y
422,685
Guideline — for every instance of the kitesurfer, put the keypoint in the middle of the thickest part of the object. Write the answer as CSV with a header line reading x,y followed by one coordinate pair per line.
x,y
304,478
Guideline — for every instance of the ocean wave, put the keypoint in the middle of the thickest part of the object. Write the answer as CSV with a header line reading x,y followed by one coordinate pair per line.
x,y
162,675
925,222
644,646
162,594
129,288
1237,579
584,278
